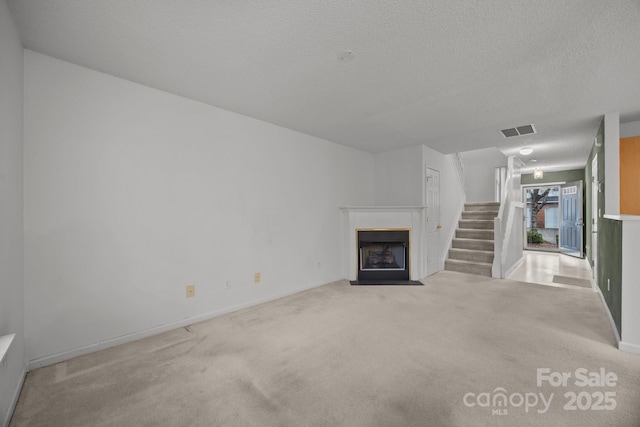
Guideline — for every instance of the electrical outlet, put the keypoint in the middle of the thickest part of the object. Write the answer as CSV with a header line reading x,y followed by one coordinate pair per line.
x,y
227,284
191,291
256,278
318,265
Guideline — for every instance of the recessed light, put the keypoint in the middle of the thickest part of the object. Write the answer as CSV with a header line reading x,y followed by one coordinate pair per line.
x,y
525,151
346,56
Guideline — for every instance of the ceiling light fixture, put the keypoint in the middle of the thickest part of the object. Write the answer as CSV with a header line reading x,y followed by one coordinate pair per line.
x,y
525,151
537,173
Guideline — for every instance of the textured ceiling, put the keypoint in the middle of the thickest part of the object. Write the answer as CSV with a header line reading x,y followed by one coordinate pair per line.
x,y
448,74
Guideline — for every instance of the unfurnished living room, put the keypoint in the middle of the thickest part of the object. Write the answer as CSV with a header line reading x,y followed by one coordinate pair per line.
x,y
319,213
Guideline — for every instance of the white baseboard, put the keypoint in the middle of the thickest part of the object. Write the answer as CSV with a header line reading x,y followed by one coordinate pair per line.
x,y
513,267
91,348
611,321
14,400
629,348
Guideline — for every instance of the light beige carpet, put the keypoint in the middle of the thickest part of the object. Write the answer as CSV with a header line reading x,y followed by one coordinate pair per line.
x,y
341,355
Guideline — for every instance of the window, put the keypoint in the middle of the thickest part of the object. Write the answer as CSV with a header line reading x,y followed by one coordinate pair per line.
x,y
551,217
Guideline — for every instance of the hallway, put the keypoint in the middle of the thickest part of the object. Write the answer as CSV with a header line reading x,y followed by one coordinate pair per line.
x,y
541,267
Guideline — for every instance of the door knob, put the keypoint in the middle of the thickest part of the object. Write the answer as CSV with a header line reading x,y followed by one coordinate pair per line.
x,y
439,226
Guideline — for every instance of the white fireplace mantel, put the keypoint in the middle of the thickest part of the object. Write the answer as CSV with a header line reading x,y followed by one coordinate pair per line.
x,y
377,217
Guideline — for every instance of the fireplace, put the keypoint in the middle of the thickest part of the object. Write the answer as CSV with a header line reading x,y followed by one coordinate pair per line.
x,y
391,228
383,255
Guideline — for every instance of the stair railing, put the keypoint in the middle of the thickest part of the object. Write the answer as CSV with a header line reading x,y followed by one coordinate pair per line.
x,y
508,225
456,161
459,168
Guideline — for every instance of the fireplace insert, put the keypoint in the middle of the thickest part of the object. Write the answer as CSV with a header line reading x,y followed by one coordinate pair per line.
x,y
383,255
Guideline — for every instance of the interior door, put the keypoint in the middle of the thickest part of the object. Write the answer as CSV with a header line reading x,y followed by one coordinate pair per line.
x,y
595,189
572,224
432,198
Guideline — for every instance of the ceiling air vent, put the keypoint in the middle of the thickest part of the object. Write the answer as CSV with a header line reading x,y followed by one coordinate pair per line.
x,y
518,131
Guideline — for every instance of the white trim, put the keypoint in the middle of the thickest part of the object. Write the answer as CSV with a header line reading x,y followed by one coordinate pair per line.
x,y
623,217
629,348
612,163
14,400
388,217
511,217
382,208
5,343
91,348
444,251
513,267
425,272
611,321
544,184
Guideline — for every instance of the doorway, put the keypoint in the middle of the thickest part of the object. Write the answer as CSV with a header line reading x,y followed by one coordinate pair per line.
x,y
432,203
572,224
595,215
553,269
542,218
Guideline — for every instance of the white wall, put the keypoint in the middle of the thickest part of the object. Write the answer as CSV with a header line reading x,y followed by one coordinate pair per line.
x,y
629,129
612,163
400,181
479,173
131,194
11,249
630,315
398,177
511,214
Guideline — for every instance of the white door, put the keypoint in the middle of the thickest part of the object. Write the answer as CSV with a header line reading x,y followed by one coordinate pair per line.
x,y
595,215
432,198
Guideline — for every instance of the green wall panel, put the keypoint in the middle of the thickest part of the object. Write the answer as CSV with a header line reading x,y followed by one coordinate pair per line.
x,y
561,176
610,270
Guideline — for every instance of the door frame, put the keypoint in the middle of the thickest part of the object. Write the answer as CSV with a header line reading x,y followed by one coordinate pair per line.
x,y
579,219
435,265
524,189
595,215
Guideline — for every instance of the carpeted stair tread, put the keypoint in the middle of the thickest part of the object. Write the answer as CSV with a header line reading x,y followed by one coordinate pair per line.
x,y
482,215
480,206
479,244
476,224
474,240
473,233
472,247
472,250
471,255
471,267
460,261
